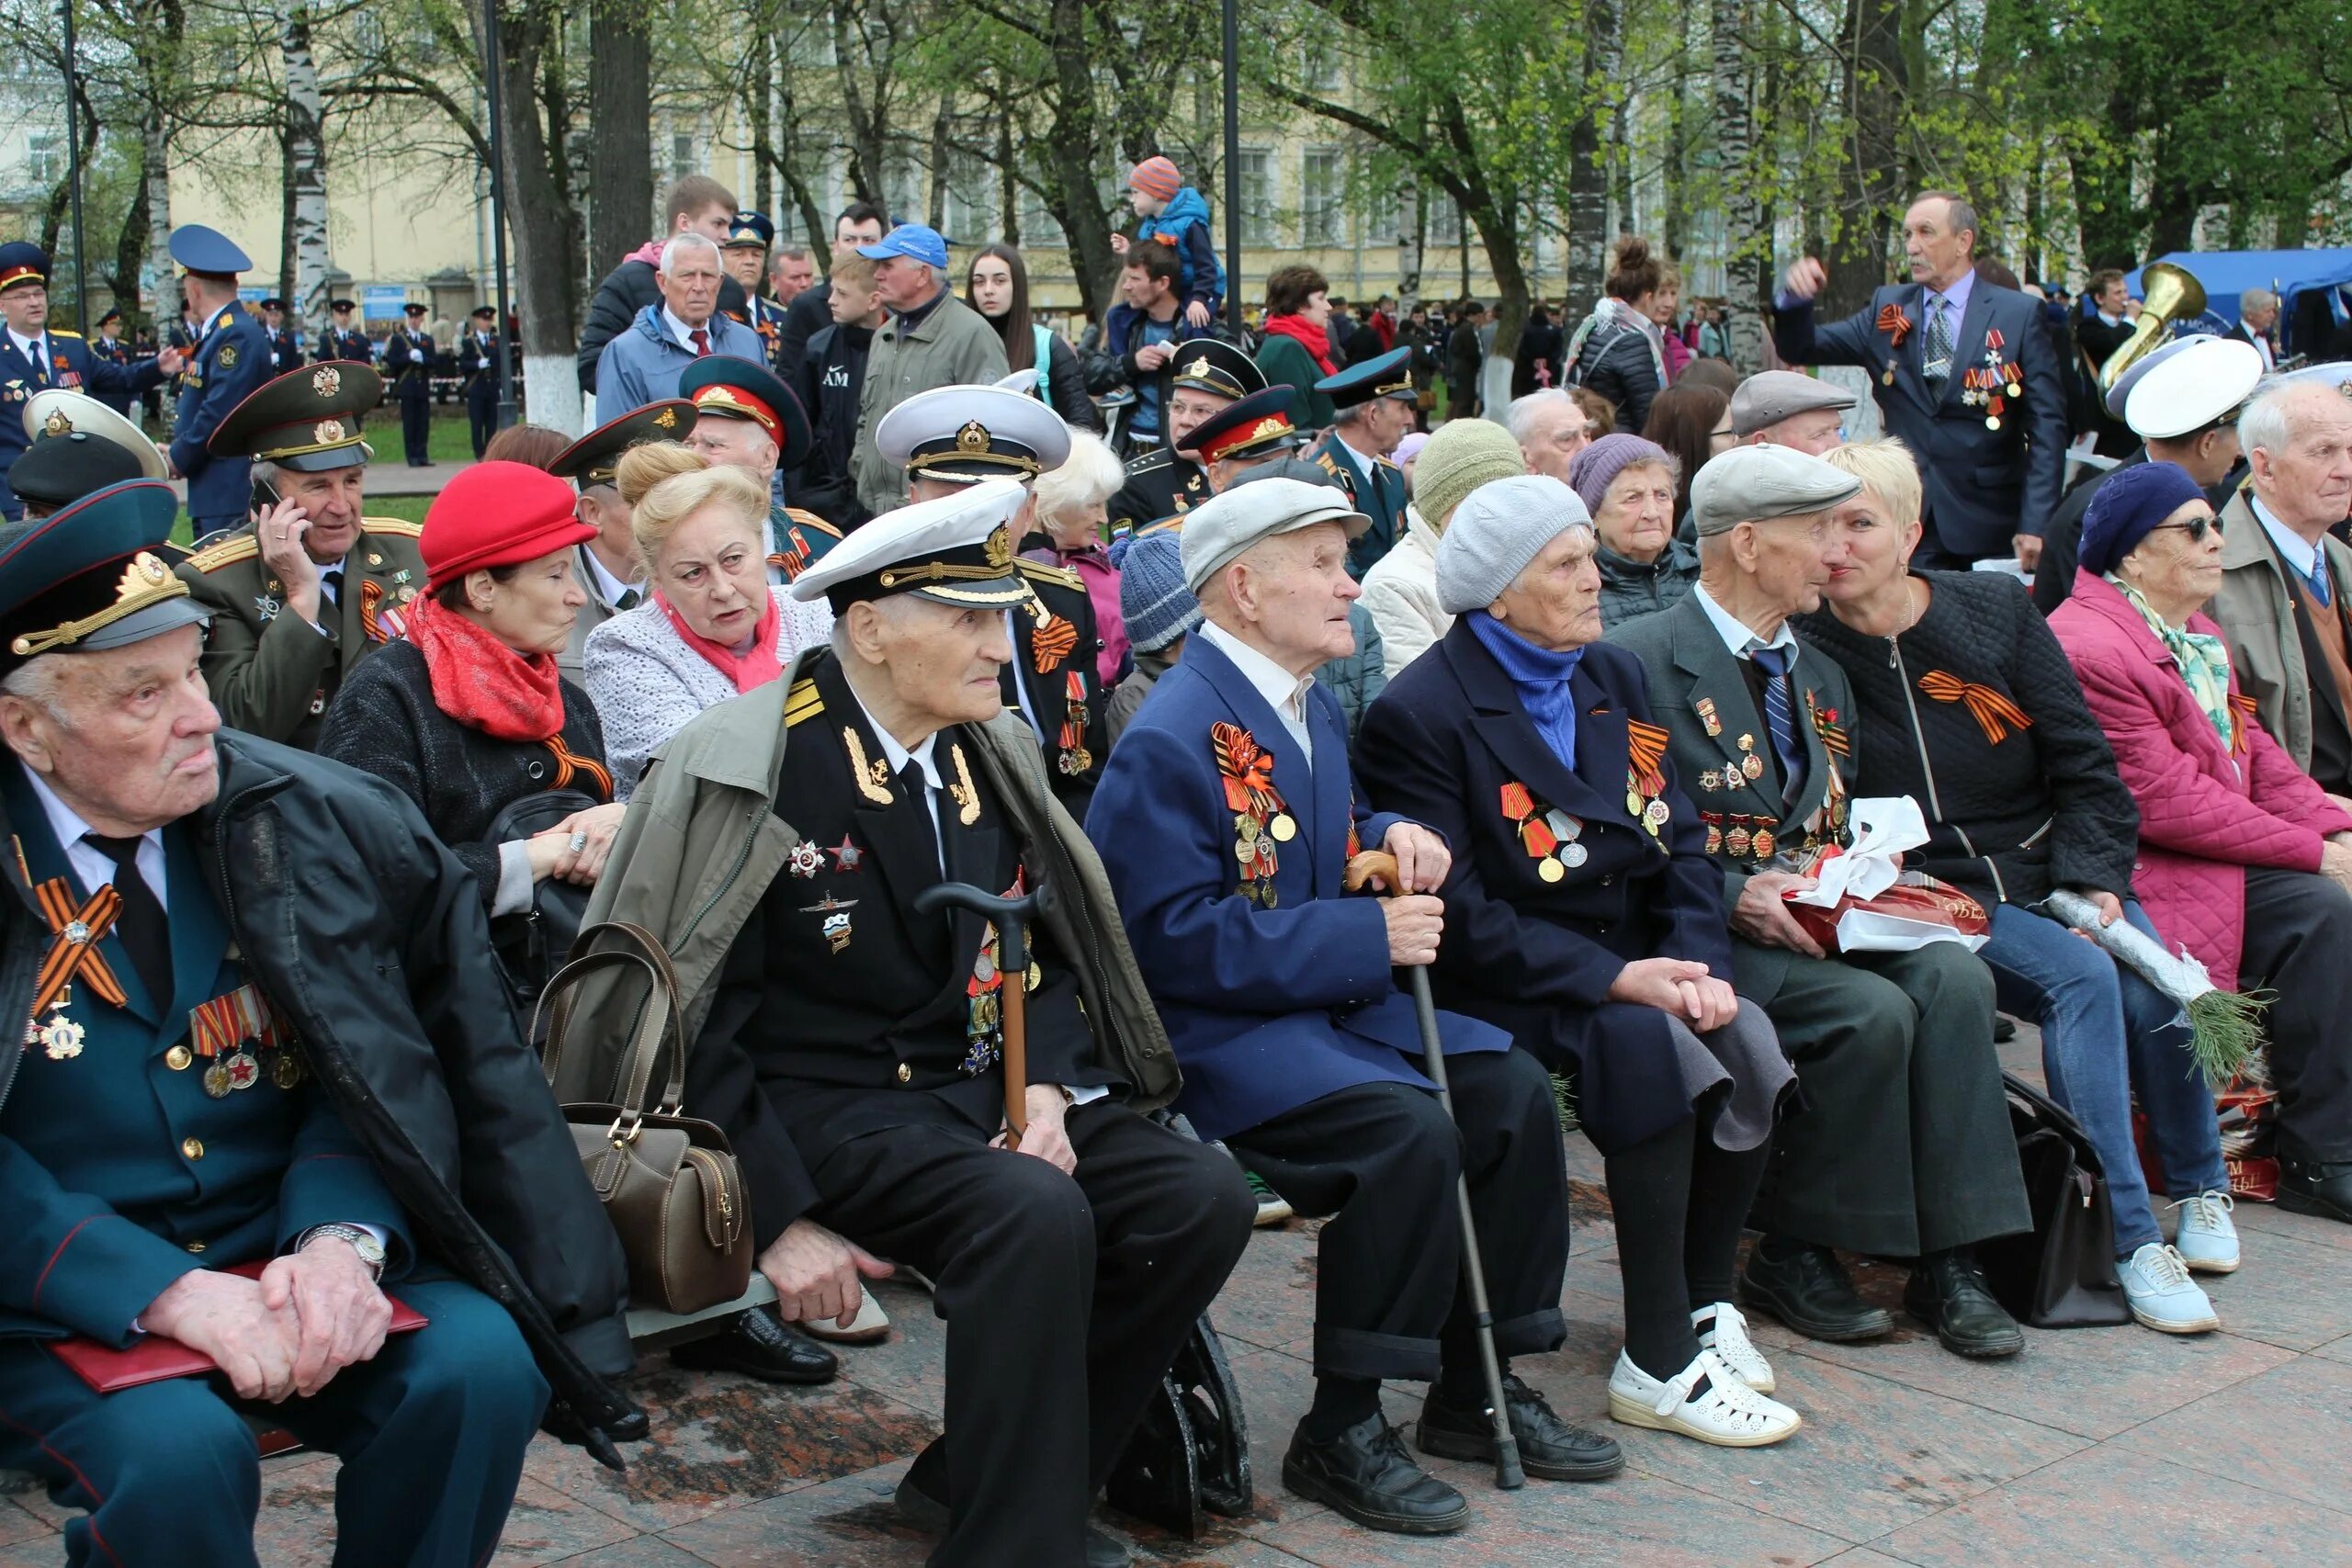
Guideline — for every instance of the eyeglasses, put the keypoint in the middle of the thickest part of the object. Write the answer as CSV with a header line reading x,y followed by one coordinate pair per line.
x,y
1726,430
2196,529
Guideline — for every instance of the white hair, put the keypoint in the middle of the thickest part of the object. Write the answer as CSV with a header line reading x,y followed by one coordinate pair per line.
x,y
37,681
680,243
1090,473
2255,299
1519,418
2266,423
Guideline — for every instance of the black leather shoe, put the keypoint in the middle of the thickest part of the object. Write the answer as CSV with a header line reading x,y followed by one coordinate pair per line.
x,y
1948,1293
921,1510
1549,1448
1365,1474
1806,1288
2308,1187
761,1344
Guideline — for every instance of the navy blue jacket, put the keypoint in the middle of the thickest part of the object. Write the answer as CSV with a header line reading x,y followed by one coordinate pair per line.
x,y
70,365
230,361
1536,957
1984,486
1267,1009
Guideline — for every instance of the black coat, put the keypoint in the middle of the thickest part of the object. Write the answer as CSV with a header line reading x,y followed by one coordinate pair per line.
x,y
369,937
1615,362
2008,818
384,721
832,370
1536,957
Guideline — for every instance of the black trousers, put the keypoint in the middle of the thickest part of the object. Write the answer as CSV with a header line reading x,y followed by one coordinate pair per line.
x,y
1065,1300
2299,943
482,412
1381,1159
416,427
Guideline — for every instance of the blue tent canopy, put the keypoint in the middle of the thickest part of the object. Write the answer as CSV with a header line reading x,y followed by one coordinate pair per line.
x,y
2288,274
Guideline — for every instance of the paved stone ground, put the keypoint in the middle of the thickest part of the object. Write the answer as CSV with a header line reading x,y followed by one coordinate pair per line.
x,y
2095,1447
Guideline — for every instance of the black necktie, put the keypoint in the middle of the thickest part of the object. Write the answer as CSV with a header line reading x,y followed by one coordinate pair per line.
x,y
628,601
918,788
146,936
40,366
331,585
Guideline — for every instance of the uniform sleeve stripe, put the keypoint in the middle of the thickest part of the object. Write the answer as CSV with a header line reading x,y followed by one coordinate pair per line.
x,y
53,1257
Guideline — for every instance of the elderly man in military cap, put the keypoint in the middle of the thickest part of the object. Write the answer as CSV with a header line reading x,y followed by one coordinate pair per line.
x,y
1785,408
309,586
1376,403
36,357
81,446
1903,1147
745,416
951,438
1226,818
608,567
227,1128
744,255
228,364
850,1034
1206,377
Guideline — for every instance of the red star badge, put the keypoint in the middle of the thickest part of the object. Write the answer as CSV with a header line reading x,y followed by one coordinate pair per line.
x,y
847,856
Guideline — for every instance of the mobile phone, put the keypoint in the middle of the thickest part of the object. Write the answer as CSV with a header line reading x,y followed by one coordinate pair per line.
x,y
265,496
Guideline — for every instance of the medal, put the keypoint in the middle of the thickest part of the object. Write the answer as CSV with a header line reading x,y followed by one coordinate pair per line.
x,y
1713,779
1632,802
241,1070
1992,422
1736,840
1656,814
287,1071
1549,869
216,1079
1762,843
847,855
1706,706
61,1038
1714,837
1574,854
1283,827
1752,765
807,860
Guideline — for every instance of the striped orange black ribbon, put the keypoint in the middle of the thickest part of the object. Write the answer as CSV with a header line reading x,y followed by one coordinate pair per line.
x,y
1644,744
570,765
2242,707
74,954
1995,714
1052,642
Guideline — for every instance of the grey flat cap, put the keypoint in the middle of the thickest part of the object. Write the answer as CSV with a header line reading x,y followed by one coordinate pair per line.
x,y
1756,484
1501,526
1770,395
2195,381
1217,531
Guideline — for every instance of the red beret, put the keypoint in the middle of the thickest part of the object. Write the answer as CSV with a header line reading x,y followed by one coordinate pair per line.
x,y
498,514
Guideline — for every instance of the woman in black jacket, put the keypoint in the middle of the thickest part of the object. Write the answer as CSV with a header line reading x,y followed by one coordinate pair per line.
x,y
466,714
998,287
1620,352
1969,706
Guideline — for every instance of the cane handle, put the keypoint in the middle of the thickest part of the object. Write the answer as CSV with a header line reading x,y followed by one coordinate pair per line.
x,y
1365,865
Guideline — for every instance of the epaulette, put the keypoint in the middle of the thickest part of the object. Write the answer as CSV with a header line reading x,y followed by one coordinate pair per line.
x,y
61,332
1039,571
242,546
1384,462
810,520
400,525
1158,457
801,702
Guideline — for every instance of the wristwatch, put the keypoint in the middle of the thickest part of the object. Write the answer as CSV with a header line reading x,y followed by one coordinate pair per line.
x,y
370,1250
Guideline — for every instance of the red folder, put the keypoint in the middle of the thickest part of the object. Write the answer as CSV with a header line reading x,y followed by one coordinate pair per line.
x,y
155,1358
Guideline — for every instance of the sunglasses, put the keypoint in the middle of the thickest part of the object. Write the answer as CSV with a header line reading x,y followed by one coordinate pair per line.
x,y
2196,529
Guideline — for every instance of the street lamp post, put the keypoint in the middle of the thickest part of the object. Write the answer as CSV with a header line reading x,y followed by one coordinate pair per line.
x,y
74,174
497,213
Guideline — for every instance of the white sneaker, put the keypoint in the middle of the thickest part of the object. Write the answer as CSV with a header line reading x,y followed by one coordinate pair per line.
x,y
2208,1238
2157,1285
1724,1412
871,1324
1722,1329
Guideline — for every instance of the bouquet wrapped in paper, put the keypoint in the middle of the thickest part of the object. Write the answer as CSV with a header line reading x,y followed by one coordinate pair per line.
x,y
2224,1027
1863,901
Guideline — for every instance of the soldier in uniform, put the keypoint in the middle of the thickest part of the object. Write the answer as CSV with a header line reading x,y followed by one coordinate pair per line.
x,y
953,437
478,369
109,346
285,343
744,253
229,363
609,570
408,360
342,339
35,355
309,587
852,1045
80,446
1376,404
746,417
1206,378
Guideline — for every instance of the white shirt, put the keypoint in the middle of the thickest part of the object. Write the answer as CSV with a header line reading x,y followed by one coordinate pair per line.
x,y
1283,692
93,865
35,350
925,756
607,588
683,333
2299,552
1735,633
1029,708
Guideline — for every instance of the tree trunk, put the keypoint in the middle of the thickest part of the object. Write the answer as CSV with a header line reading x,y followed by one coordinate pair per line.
x,y
1413,234
138,307
1008,183
1072,151
935,213
620,133
758,107
306,179
543,226
1588,259
1874,86
155,190
787,164
1744,233
867,153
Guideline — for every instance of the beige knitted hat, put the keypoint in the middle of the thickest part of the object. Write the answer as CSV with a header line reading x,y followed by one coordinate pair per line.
x,y
1462,455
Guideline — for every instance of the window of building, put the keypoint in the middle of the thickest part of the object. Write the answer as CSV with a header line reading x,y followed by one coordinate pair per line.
x,y
1257,172
1445,219
1322,188
681,155
1321,66
971,204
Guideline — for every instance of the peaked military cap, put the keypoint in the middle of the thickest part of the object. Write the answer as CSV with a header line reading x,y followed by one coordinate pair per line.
x,y
748,229
88,578
79,445
731,388
21,261
208,252
307,420
1253,426
956,550
592,459
2189,384
969,433
1212,364
1390,376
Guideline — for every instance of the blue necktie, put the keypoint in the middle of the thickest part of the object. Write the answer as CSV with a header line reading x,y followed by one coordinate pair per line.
x,y
2318,580
1936,365
1774,662
41,366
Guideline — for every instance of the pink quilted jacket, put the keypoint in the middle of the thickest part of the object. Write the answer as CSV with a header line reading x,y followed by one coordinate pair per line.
x,y
2205,815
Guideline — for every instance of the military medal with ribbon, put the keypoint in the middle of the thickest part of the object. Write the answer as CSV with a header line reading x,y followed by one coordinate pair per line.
x,y
1259,818
1896,326
1549,835
1992,385
75,932
1645,782
1075,759
221,1031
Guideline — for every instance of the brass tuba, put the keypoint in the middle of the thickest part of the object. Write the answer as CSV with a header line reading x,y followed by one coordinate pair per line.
x,y
2173,292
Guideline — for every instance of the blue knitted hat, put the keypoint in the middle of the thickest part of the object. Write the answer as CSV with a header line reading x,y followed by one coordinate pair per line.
x,y
2126,508
1153,601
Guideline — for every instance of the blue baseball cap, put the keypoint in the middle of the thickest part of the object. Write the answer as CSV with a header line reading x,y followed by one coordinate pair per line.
x,y
917,240
209,250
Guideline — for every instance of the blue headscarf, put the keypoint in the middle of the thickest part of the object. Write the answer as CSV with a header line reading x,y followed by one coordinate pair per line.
x,y
1540,676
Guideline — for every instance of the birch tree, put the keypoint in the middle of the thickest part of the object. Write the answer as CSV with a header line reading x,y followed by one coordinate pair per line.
x,y
306,170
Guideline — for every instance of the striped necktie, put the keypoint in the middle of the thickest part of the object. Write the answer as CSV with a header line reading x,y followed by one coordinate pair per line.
x,y
1774,662
1937,365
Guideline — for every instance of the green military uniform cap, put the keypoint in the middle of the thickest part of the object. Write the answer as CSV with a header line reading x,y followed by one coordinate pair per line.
x,y
591,460
307,420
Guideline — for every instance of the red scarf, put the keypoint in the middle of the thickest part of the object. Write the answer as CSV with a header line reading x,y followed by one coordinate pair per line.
x,y
1308,336
480,682
756,667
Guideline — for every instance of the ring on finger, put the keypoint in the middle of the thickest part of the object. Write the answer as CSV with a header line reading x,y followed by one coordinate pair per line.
x,y
579,842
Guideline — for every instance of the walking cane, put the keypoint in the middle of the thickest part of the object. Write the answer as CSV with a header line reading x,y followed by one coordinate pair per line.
x,y
1509,1475
1010,916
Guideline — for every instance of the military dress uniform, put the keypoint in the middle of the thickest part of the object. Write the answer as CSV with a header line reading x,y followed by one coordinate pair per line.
x,y
478,369
285,343
339,341
755,231
1377,483
115,352
272,672
158,1118
1166,482
228,364
59,359
408,361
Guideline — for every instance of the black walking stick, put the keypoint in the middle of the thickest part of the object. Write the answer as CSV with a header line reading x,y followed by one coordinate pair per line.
x,y
1509,1475
1010,916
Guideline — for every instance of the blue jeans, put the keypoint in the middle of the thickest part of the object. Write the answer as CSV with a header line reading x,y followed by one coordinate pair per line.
x,y
2106,1031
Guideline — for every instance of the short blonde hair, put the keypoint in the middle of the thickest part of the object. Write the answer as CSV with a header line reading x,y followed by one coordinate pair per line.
x,y
853,272
1090,475
680,493
1885,467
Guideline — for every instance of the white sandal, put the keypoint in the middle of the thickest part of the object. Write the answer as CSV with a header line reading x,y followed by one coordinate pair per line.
x,y
1723,1329
1726,1413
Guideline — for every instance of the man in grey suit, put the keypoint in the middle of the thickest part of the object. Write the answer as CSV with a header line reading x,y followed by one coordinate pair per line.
x,y
1965,375
1903,1147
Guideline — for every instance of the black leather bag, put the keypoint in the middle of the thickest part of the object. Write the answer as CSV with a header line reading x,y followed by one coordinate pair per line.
x,y
2061,1273
530,946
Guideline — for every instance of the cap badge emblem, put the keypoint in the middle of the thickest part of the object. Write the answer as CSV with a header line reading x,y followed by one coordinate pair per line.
x,y
327,430
667,419
1199,367
1270,425
973,437
999,547
326,380
151,569
57,423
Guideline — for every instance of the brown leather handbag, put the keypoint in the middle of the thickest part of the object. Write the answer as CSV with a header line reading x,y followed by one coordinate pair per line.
x,y
668,1181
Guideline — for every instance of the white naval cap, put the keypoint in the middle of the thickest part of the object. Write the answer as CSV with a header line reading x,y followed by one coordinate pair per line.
x,y
966,433
956,550
2186,385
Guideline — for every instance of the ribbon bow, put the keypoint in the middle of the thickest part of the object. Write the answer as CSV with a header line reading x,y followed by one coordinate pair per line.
x,y
1052,641
376,622
1644,744
1247,771
1894,324
75,952
1995,714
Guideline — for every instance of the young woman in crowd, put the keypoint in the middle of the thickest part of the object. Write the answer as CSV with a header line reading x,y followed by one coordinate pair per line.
x,y
997,286
1692,422
1620,351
